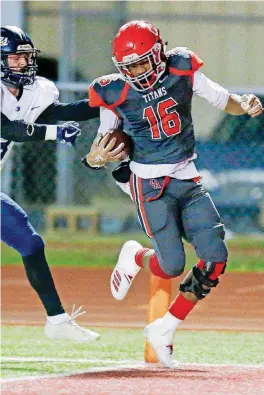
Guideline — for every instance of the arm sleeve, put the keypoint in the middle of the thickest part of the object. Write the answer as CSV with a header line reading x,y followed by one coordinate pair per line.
x,y
20,131
75,111
108,121
214,93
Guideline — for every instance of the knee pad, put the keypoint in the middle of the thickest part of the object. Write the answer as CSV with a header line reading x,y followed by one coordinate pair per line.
x,y
210,245
202,278
171,268
175,271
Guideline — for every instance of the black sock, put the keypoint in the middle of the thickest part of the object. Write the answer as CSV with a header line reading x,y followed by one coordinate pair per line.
x,y
40,278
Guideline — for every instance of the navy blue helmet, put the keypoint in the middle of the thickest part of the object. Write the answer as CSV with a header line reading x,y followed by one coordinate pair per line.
x,y
15,41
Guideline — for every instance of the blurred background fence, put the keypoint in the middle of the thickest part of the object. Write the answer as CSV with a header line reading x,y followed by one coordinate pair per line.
x,y
74,39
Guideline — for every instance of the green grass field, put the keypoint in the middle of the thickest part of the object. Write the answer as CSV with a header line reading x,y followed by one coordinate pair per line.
x,y
118,346
82,250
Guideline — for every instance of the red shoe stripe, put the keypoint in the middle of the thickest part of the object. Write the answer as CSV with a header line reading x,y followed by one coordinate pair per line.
x,y
128,280
116,280
115,286
117,283
170,346
118,275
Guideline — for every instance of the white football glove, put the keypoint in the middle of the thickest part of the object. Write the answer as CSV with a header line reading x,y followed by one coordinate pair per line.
x,y
251,105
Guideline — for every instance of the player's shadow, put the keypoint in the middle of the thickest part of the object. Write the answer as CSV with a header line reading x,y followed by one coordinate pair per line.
x,y
175,373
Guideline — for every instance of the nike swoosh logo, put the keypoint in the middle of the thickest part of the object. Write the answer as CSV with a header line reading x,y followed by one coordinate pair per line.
x,y
69,134
33,108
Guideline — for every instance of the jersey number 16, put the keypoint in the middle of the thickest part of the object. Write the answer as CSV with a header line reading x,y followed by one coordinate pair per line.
x,y
163,121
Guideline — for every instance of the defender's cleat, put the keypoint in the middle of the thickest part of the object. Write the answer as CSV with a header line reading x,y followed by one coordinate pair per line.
x,y
125,270
162,341
69,330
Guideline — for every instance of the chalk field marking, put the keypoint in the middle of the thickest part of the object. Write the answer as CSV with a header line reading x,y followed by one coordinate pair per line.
x,y
65,360
123,366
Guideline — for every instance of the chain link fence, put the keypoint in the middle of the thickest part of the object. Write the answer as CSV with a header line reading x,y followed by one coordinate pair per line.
x,y
233,167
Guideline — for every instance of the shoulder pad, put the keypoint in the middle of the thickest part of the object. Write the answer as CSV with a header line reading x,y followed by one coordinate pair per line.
x,y
182,58
108,78
107,90
46,85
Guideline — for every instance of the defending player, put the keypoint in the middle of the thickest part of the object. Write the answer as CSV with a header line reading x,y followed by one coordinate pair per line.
x,y
152,94
25,99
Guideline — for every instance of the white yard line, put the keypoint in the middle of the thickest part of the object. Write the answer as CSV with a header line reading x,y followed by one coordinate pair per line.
x,y
123,366
65,360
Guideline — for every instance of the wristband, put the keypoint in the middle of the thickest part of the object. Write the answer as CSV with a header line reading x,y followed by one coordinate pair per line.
x,y
85,162
51,132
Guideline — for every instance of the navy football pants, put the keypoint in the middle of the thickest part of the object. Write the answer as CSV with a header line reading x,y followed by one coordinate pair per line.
x,y
180,209
16,231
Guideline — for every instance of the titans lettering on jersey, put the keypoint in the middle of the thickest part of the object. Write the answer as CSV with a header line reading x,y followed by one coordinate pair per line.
x,y
159,120
34,100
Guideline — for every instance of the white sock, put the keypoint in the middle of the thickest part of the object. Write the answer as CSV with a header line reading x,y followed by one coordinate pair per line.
x,y
58,319
170,322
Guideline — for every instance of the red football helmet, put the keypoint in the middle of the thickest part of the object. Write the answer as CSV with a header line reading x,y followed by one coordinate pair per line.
x,y
138,41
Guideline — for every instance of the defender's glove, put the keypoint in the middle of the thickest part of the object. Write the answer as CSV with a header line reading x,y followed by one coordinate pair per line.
x,y
68,132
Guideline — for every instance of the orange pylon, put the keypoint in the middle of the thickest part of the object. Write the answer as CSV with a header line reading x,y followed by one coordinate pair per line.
x,y
160,297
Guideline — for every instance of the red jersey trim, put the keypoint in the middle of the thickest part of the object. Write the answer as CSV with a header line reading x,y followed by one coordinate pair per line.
x,y
181,72
196,61
141,208
95,99
196,64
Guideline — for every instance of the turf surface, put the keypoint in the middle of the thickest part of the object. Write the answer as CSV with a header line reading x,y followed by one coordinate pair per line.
x,y
245,254
117,345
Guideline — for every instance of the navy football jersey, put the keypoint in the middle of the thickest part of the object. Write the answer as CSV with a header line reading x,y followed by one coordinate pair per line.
x,y
158,120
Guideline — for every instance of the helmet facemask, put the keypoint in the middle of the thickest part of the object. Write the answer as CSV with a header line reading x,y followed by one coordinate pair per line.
x,y
156,59
25,76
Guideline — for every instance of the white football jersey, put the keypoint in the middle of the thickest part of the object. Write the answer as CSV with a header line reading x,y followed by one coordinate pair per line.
x,y
34,100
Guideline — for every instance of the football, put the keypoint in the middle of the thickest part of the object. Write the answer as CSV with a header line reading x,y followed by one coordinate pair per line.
x,y
122,137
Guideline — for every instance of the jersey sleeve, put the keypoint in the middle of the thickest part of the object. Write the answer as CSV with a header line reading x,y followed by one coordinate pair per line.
x,y
96,95
108,91
48,88
196,61
184,60
20,131
76,111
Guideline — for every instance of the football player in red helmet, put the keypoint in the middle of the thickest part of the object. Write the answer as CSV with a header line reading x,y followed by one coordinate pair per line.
x,y
139,54
152,95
